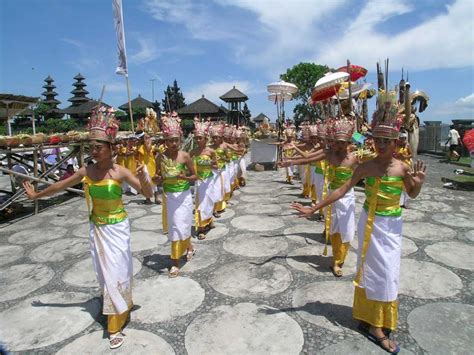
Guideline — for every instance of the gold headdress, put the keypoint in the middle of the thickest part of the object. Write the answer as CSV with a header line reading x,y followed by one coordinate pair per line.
x,y
387,119
217,129
149,124
343,128
103,125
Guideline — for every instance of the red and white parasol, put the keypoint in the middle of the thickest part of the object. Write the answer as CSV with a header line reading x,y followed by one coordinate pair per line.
x,y
356,71
327,86
356,90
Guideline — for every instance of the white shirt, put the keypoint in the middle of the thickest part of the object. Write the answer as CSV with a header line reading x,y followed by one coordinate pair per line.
x,y
453,137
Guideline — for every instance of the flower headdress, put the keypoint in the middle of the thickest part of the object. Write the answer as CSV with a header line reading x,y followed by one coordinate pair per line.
x,y
344,128
171,126
314,129
217,129
201,127
329,128
228,131
387,119
103,125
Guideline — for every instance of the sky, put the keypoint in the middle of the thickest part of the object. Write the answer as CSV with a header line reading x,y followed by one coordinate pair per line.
x,y
209,46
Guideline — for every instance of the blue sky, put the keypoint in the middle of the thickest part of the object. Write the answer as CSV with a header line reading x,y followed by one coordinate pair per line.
x,y
211,45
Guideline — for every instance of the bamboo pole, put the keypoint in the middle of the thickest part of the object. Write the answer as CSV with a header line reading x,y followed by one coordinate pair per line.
x,y
129,103
35,172
35,179
350,85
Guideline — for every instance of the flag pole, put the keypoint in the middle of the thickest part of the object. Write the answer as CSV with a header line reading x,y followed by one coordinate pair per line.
x,y
129,103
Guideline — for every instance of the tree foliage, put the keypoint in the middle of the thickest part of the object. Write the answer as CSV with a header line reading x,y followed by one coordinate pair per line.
x,y
174,98
305,75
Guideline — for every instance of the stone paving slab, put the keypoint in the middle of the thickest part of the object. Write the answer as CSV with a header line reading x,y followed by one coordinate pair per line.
x,y
257,285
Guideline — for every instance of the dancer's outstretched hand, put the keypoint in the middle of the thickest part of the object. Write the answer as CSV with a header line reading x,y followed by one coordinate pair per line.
x,y
284,164
29,190
419,172
140,170
303,210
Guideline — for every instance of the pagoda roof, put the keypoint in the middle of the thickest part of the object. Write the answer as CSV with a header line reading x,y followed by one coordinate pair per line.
x,y
138,102
51,102
49,86
79,91
49,79
234,95
260,118
79,77
84,109
201,106
49,93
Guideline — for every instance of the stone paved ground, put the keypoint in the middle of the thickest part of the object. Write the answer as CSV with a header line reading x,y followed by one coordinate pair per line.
x,y
257,285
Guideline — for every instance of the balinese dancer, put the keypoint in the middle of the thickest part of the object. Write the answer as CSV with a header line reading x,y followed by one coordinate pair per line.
x,y
175,170
303,149
380,225
241,142
204,159
218,145
340,217
109,225
288,151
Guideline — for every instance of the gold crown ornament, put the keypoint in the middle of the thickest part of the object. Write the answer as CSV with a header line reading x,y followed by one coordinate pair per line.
x,y
343,128
102,124
387,119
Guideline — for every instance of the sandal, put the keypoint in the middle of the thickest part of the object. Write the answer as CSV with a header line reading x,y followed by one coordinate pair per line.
x,y
191,253
337,273
174,272
201,236
364,329
116,340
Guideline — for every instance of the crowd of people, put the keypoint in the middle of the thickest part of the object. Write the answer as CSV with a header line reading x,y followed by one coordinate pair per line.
x,y
329,165
138,166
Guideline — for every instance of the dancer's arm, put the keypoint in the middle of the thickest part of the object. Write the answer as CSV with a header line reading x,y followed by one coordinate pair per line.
x,y
414,180
359,174
56,187
316,156
140,182
189,164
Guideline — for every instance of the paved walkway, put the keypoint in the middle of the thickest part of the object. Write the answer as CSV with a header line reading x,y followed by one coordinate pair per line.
x,y
257,285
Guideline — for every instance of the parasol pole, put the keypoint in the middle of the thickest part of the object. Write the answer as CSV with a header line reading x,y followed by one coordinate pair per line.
x,y
350,85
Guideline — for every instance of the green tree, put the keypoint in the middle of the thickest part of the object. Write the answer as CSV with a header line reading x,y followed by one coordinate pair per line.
x,y
174,98
305,75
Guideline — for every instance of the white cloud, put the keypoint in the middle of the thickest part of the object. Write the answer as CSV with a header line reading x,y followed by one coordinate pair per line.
x,y
467,101
213,89
443,41
148,51
84,61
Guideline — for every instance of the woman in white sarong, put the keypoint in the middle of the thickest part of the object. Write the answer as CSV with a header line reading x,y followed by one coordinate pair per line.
x,y
109,225
380,226
218,145
174,171
204,159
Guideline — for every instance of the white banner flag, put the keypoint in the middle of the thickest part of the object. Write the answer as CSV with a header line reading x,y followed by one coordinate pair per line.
x,y
119,29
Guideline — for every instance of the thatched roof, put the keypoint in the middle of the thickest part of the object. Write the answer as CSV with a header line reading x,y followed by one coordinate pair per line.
x,y
15,103
260,118
234,95
138,102
202,106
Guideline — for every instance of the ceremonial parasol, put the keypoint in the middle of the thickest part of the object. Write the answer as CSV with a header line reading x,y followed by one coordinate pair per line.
x,y
279,97
356,90
421,97
327,86
468,140
282,87
356,71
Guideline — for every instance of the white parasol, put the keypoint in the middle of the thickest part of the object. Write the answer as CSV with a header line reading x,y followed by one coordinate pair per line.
x,y
282,87
279,97
328,85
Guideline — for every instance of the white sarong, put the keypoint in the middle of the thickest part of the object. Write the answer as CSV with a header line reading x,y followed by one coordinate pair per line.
x,y
227,180
178,214
343,217
381,270
204,200
217,191
112,259
243,167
